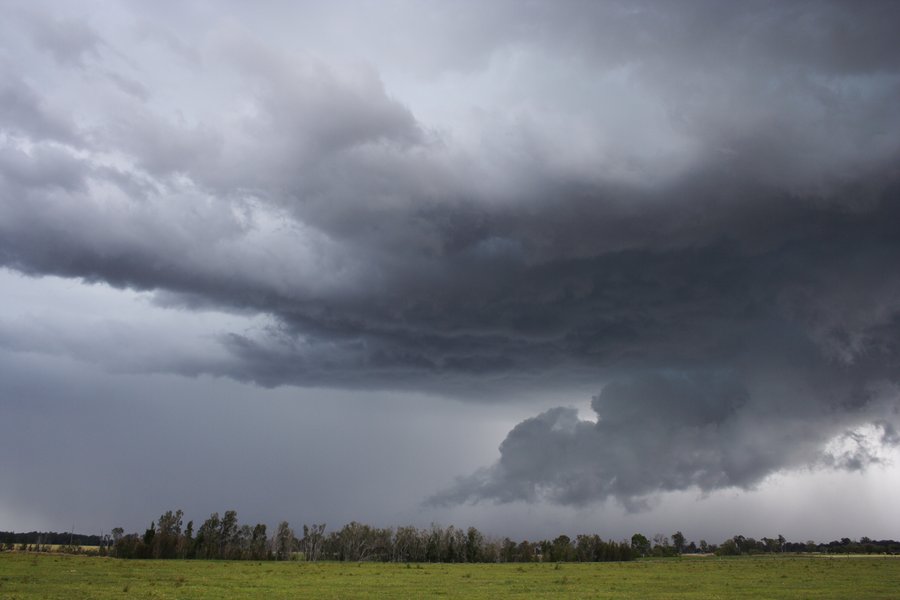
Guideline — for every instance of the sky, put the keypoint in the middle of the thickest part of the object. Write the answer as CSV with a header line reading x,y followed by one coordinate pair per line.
x,y
538,267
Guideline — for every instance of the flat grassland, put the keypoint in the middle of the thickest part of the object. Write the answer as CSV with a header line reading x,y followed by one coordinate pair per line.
x,y
24,575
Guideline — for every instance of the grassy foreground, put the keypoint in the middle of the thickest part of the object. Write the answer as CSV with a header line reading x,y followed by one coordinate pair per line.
x,y
62,576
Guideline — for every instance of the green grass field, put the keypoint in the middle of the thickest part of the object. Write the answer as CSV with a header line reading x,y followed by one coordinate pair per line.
x,y
62,576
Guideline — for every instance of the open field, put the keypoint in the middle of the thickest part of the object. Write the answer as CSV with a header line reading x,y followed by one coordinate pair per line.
x,y
25,575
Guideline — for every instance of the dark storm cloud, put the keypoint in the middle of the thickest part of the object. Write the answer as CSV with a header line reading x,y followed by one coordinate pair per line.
x,y
45,167
679,430
694,204
70,41
24,112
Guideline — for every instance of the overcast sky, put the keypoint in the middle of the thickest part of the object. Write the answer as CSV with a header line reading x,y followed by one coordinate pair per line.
x,y
538,267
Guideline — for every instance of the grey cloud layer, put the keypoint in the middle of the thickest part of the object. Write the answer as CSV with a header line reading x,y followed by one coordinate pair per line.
x,y
697,203
676,431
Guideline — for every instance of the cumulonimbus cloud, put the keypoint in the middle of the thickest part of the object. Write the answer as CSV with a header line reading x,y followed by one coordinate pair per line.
x,y
709,225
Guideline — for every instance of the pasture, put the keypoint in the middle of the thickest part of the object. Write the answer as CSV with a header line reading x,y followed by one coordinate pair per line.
x,y
47,576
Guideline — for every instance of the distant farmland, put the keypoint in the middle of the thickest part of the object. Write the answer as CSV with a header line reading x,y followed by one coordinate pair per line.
x,y
45,576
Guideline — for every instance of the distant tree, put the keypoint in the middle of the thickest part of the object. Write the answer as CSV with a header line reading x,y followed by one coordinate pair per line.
x,y
313,536
168,535
490,550
507,550
258,542
186,547
561,549
751,546
207,542
434,544
728,548
241,543
640,544
448,545
284,541
149,535
525,551
661,546
383,543
586,547
129,546
409,545
356,541
229,544
117,534
474,542
678,542
456,544
769,544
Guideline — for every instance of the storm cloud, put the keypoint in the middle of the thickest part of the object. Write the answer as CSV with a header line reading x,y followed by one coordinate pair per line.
x,y
689,207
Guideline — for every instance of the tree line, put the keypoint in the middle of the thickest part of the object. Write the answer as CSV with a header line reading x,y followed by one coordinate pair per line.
x,y
739,545
661,546
223,537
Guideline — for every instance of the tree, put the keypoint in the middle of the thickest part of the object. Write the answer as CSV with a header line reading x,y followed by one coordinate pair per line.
x,y
561,549
241,546
728,548
228,535
284,541
186,547
678,542
117,534
640,544
491,550
313,536
434,544
525,551
455,545
770,544
661,546
507,550
474,541
586,547
258,542
149,534
168,535
409,544
356,541
208,537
